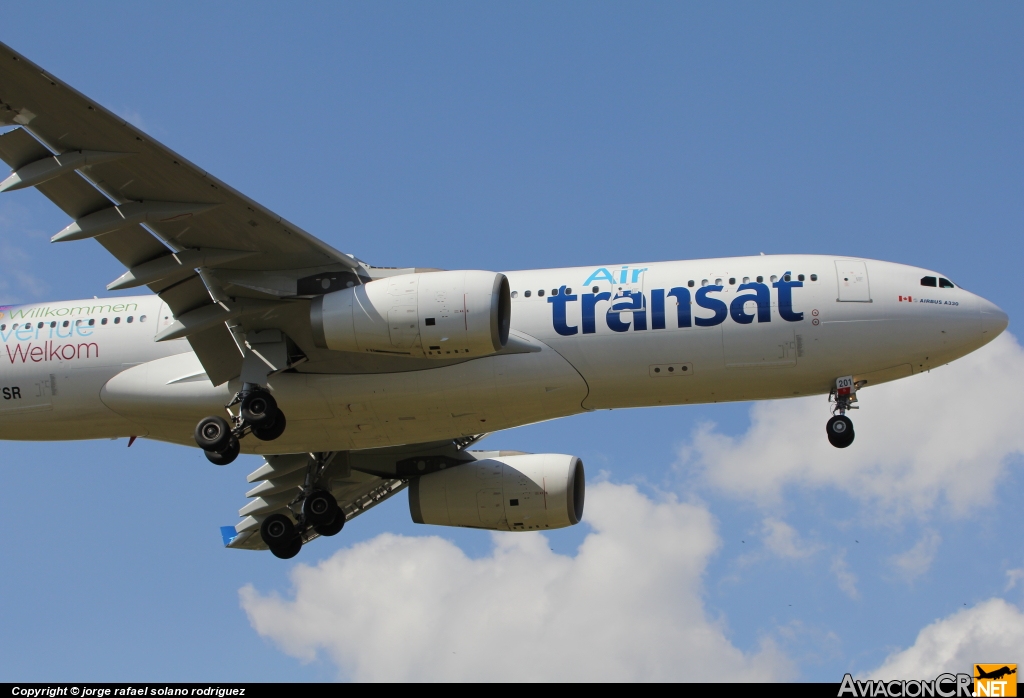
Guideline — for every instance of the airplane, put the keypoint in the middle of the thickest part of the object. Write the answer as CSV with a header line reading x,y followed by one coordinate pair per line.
x,y
355,382
995,674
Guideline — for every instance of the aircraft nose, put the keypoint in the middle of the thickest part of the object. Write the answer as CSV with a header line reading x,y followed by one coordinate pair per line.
x,y
993,320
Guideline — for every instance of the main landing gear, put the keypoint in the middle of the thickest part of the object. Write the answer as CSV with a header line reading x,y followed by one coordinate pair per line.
x,y
314,509
258,414
840,427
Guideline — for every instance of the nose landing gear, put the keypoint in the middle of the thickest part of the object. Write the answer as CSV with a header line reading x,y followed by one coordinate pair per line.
x,y
258,414
840,428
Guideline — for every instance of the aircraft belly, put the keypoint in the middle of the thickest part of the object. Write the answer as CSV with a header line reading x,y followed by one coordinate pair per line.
x,y
484,395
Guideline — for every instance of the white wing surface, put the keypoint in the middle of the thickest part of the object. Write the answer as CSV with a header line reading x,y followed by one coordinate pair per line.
x,y
157,213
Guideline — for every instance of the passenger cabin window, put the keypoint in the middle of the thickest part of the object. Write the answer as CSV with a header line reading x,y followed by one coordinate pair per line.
x,y
103,321
130,318
690,283
945,283
598,288
928,281
814,277
760,279
527,294
515,294
800,277
540,292
117,321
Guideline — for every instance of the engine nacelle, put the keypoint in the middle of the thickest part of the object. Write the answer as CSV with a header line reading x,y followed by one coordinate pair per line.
x,y
526,492
435,315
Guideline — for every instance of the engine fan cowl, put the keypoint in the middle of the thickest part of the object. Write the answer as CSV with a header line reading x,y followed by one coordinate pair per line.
x,y
527,492
434,315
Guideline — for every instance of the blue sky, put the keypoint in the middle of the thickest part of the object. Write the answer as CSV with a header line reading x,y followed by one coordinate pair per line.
x,y
534,135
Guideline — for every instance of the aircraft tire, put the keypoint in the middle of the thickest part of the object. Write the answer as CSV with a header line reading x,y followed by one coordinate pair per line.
x,y
290,550
320,508
272,430
334,527
840,431
258,408
278,531
213,434
226,456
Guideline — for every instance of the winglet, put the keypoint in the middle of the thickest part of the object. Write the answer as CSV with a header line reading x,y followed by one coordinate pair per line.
x,y
228,533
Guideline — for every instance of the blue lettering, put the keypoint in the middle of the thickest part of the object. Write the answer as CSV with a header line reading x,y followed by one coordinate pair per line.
x,y
558,313
658,309
682,296
590,301
85,331
761,295
786,298
598,275
721,310
630,301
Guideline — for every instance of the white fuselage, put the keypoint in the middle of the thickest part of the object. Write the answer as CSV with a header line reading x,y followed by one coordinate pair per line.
x,y
609,337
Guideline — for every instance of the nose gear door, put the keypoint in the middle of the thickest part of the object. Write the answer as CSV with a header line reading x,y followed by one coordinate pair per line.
x,y
853,281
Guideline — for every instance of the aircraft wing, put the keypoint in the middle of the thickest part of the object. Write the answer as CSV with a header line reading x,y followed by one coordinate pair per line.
x,y
278,482
359,480
157,213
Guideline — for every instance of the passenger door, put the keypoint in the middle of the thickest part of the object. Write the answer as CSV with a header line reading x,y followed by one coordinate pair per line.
x,y
852,276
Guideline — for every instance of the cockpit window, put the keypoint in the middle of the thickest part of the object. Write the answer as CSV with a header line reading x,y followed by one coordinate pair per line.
x,y
945,283
928,281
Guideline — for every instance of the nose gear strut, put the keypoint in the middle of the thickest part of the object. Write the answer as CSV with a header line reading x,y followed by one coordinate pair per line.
x,y
258,414
840,428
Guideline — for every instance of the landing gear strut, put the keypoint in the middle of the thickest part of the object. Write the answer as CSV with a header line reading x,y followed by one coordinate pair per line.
x,y
840,427
258,414
314,509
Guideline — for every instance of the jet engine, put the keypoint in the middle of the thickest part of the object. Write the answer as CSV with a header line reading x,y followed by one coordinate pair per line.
x,y
526,492
434,315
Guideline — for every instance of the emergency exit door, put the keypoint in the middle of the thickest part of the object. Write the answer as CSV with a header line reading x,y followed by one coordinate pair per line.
x,y
852,276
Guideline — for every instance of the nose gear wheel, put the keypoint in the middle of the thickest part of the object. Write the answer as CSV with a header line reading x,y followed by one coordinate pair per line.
x,y
839,428
840,431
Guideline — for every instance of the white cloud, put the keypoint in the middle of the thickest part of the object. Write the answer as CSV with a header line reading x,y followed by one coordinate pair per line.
x,y
1013,577
913,563
783,540
627,607
991,632
846,579
939,439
